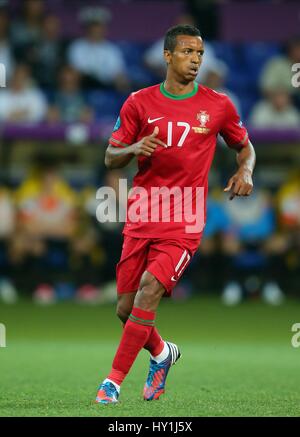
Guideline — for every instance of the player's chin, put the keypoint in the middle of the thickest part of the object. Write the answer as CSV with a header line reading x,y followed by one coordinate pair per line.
x,y
191,75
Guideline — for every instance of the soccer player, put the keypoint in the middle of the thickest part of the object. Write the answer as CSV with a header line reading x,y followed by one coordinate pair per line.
x,y
171,128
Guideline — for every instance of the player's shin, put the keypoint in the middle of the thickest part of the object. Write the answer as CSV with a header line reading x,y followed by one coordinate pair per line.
x,y
135,335
155,343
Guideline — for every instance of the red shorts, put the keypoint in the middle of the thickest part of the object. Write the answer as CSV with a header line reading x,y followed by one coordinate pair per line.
x,y
165,259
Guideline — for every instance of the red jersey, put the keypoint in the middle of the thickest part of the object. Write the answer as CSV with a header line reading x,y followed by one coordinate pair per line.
x,y
188,124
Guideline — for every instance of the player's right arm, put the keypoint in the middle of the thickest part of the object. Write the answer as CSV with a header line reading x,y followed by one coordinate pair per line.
x,y
116,157
124,143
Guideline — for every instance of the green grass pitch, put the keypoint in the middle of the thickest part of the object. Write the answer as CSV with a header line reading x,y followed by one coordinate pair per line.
x,y
236,361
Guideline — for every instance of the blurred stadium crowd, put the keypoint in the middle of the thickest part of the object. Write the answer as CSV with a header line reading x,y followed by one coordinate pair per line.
x,y
51,244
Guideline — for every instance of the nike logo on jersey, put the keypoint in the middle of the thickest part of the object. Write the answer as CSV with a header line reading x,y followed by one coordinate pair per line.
x,y
154,119
173,279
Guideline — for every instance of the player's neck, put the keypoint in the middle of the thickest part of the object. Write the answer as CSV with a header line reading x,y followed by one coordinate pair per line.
x,y
174,87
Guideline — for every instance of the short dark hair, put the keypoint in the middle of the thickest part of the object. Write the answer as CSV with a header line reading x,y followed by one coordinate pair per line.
x,y
180,29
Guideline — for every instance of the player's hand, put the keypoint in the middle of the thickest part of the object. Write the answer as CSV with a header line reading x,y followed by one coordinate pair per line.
x,y
147,145
240,184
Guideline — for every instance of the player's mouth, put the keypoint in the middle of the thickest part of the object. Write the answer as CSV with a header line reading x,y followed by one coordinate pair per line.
x,y
194,71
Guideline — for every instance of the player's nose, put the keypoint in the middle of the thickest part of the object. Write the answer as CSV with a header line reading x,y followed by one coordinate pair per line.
x,y
195,61
195,64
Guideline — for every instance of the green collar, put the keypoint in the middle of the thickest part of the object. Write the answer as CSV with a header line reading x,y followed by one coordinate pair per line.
x,y
178,97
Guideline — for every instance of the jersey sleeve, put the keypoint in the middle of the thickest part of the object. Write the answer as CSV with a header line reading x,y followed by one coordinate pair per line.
x,y
232,129
127,125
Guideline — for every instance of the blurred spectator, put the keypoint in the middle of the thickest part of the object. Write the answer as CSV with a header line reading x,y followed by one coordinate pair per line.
x,y
97,243
277,73
112,228
8,293
99,60
48,53
46,204
276,111
209,255
21,101
7,213
47,218
69,104
289,203
215,77
6,55
283,248
155,61
286,242
87,253
248,267
26,32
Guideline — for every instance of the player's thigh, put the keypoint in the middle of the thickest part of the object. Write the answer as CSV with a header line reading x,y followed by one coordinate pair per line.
x,y
132,264
168,259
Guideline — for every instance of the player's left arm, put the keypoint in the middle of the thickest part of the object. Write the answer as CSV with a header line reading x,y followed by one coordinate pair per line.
x,y
236,137
241,183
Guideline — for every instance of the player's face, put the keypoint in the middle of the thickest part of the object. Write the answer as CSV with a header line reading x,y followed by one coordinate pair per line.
x,y
186,58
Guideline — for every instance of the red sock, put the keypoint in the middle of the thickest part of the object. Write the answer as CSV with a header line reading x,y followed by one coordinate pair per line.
x,y
155,343
135,335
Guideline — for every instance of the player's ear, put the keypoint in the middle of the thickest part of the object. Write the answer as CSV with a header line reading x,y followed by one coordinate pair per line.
x,y
167,56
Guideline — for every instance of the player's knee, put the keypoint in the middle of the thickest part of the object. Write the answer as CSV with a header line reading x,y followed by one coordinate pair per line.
x,y
150,289
123,312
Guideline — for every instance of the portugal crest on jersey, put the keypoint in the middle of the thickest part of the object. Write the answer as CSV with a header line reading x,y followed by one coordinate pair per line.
x,y
203,118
